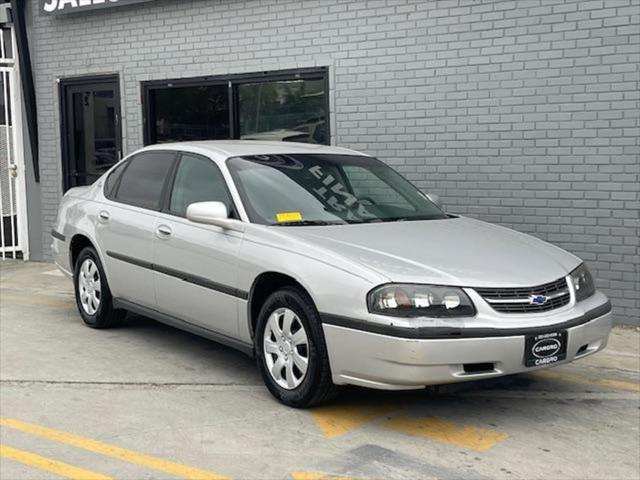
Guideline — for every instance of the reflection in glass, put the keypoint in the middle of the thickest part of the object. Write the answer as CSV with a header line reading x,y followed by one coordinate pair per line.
x,y
95,132
190,113
303,189
291,111
7,44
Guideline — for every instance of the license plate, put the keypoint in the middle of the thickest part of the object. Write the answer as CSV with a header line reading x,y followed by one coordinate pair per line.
x,y
545,348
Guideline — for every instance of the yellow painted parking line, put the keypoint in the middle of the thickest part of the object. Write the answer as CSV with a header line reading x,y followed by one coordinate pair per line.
x,y
35,300
318,476
52,466
465,436
336,420
602,382
123,454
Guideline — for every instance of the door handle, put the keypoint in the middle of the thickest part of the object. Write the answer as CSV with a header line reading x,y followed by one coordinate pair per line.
x,y
103,216
163,231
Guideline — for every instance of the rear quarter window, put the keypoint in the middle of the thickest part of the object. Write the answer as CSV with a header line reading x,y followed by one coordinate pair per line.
x,y
113,179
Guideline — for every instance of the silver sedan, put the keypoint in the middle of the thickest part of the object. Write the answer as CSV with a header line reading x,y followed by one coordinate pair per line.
x,y
325,264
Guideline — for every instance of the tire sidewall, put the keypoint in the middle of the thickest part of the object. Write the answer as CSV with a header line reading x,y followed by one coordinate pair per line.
x,y
303,307
97,318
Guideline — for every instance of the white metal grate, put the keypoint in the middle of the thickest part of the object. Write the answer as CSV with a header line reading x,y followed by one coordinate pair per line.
x,y
12,187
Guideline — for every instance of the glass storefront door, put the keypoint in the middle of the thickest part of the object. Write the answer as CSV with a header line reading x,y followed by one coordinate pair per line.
x,y
92,142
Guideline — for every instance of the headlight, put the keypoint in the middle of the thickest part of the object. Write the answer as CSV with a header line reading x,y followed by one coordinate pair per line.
x,y
582,283
409,300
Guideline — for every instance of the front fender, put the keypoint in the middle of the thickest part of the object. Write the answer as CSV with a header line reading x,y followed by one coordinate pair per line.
x,y
332,289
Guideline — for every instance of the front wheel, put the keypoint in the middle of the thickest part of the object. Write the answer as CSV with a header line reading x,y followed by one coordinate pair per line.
x,y
291,350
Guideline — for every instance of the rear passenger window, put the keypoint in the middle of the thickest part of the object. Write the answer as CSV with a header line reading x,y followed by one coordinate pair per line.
x,y
198,179
142,182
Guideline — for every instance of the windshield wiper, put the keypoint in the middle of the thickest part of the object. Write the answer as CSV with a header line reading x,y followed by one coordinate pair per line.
x,y
366,220
414,218
407,218
304,223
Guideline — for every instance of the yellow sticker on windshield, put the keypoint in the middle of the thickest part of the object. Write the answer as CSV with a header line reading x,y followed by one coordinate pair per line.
x,y
289,217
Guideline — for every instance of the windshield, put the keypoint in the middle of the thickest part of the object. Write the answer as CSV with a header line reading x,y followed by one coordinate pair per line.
x,y
312,189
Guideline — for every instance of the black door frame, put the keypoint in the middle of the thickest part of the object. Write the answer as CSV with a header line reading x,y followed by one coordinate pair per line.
x,y
90,80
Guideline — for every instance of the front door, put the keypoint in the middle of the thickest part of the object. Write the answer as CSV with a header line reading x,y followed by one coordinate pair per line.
x,y
195,265
92,140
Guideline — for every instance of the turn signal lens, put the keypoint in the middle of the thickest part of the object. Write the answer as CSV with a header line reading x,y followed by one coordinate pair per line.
x,y
409,300
388,300
395,298
402,298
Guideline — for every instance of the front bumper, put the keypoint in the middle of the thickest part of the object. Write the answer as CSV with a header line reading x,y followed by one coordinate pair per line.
x,y
387,361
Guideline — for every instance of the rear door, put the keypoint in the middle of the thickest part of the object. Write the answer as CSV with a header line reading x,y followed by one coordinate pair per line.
x,y
126,224
196,265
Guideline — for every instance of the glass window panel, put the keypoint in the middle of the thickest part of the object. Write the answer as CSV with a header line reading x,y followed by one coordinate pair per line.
x,y
7,43
112,179
143,181
190,113
370,189
291,111
104,121
198,179
320,188
94,142
5,106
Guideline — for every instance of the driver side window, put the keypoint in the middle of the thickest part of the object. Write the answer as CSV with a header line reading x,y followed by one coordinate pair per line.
x,y
198,179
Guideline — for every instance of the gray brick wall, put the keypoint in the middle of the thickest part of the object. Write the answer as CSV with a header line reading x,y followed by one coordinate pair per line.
x,y
524,113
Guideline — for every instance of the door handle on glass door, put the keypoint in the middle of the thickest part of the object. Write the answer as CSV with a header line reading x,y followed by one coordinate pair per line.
x,y
163,231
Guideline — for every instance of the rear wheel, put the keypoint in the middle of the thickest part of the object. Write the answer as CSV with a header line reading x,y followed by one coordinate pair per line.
x,y
93,297
291,351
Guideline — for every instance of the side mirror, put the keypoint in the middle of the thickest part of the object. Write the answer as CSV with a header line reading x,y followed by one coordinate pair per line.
x,y
436,199
213,213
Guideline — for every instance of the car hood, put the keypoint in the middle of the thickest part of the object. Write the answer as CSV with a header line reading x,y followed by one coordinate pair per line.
x,y
455,251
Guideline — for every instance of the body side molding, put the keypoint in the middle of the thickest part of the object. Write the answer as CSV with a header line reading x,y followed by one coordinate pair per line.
x,y
187,277
57,235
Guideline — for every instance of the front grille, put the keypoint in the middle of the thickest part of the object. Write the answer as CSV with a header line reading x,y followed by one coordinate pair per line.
x,y
517,300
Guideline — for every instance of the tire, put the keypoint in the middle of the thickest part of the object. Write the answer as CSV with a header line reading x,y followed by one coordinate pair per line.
x,y
311,387
93,297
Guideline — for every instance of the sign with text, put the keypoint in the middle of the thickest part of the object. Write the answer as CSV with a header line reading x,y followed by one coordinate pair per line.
x,y
55,7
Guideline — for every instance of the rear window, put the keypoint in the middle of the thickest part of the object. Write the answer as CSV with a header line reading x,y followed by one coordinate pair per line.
x,y
142,182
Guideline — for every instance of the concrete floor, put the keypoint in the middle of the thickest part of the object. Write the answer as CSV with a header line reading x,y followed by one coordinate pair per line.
x,y
148,401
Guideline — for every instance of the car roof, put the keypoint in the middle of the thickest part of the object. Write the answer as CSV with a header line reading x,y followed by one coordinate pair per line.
x,y
235,148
